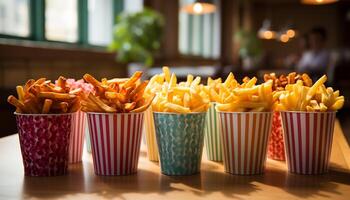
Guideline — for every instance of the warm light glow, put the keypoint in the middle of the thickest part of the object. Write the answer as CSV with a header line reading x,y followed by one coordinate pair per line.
x,y
198,8
290,33
284,38
318,2
268,35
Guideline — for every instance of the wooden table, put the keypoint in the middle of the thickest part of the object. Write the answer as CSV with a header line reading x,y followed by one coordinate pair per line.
x,y
148,183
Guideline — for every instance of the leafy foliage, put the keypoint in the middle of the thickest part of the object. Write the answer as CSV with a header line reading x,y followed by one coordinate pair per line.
x,y
137,36
249,44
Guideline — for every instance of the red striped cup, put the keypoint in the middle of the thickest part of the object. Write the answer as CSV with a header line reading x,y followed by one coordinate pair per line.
x,y
308,137
76,142
244,138
115,142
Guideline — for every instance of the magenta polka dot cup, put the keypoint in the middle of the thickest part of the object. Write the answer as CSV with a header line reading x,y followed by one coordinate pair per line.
x,y
44,141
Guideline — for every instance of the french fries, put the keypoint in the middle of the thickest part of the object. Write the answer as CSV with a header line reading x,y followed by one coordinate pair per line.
x,y
279,83
218,90
183,97
117,95
245,97
313,98
44,97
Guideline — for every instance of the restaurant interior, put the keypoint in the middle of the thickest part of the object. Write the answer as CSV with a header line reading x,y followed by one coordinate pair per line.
x,y
50,38
174,99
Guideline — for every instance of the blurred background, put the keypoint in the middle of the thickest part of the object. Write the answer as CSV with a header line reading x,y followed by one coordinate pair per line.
x,y
114,38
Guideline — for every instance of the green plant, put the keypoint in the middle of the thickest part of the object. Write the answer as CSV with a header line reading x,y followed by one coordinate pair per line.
x,y
249,44
136,36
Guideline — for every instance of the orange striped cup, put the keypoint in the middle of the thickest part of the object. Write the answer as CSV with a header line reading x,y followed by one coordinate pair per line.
x,y
244,138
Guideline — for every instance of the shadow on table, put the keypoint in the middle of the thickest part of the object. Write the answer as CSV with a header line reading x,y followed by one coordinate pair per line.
x,y
145,182
305,186
82,181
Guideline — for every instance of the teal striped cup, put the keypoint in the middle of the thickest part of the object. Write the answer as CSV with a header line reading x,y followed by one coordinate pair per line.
x,y
180,139
212,136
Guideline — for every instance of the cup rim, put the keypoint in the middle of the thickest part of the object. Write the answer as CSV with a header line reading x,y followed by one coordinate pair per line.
x,y
303,112
263,112
42,115
114,113
173,113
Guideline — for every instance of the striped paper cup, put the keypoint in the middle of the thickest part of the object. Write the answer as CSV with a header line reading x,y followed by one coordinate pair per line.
x,y
275,149
76,142
44,141
244,138
115,141
212,136
308,137
180,139
150,132
87,139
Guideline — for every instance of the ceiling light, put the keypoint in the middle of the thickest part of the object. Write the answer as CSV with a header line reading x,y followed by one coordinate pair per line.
x,y
199,7
318,2
265,32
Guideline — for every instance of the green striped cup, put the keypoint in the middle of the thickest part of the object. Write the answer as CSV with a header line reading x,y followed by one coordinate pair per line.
x,y
87,138
180,139
212,136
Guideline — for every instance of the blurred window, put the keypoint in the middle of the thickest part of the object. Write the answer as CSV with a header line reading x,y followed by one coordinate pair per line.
x,y
61,20
199,35
100,19
131,6
14,17
73,21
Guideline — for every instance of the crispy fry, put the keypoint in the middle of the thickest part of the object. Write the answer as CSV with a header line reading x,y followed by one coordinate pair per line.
x,y
183,97
177,108
129,106
116,95
302,96
42,96
64,107
98,85
136,76
144,106
56,96
61,82
101,104
75,105
18,104
20,93
47,106
30,104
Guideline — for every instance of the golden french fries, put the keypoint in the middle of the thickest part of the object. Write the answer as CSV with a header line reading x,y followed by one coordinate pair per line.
x,y
312,98
43,96
218,91
245,97
117,95
183,97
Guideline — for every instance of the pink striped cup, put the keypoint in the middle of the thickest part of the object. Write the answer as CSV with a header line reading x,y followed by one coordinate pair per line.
x,y
308,138
115,142
76,142
244,138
